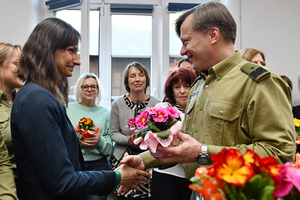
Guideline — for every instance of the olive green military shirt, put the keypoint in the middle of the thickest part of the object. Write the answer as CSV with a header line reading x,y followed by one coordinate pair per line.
x,y
229,108
5,110
233,109
7,181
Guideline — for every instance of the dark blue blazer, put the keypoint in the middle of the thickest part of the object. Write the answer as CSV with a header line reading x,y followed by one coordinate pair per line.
x,y
47,151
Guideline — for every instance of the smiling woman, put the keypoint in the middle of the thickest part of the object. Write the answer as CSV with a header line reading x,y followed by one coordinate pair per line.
x,y
66,60
48,155
95,149
9,60
136,81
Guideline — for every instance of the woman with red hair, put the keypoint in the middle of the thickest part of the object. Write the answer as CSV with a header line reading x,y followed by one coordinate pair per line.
x,y
171,183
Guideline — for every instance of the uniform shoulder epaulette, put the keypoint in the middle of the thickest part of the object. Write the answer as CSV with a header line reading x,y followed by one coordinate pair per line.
x,y
256,72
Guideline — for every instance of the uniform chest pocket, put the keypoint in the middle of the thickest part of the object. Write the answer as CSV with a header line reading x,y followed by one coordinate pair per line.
x,y
224,111
223,123
4,126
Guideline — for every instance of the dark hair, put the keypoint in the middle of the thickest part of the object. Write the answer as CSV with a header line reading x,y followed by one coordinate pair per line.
x,y
183,60
209,15
287,80
141,68
179,75
37,61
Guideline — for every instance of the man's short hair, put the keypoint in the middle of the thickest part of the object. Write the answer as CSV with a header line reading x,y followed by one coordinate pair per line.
x,y
209,15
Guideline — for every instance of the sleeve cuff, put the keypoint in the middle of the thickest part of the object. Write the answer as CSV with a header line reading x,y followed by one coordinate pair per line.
x,y
118,179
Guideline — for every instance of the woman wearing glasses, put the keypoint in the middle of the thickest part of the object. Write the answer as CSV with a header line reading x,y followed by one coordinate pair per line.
x,y
96,149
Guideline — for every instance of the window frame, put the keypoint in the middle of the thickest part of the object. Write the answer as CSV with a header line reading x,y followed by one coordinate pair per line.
x,y
160,43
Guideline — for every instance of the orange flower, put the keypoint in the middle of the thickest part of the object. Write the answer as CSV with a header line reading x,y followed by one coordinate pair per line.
x,y
251,158
297,164
270,165
298,140
211,188
233,170
87,128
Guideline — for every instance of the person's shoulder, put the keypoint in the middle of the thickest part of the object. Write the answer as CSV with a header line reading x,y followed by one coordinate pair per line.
x,y
72,105
163,104
103,109
34,92
118,100
154,99
256,72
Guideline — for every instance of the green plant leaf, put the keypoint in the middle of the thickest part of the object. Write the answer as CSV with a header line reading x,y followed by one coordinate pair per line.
x,y
142,132
259,188
163,134
152,126
171,123
196,181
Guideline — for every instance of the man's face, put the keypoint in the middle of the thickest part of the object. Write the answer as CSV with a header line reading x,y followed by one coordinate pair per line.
x,y
195,44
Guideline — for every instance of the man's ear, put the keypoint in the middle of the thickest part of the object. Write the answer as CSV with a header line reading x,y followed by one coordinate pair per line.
x,y
214,33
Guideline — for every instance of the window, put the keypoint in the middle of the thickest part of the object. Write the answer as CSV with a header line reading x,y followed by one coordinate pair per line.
x,y
73,17
174,42
131,41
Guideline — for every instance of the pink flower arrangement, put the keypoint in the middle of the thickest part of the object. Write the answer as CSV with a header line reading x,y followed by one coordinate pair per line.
x,y
155,126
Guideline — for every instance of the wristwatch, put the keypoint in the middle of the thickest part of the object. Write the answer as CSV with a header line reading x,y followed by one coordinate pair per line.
x,y
203,158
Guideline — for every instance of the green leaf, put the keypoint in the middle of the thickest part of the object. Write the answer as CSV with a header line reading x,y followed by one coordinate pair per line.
x,y
231,192
142,132
259,188
152,126
266,192
171,123
196,181
163,134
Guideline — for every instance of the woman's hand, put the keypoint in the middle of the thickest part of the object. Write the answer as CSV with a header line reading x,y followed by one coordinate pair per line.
x,y
131,177
130,141
90,142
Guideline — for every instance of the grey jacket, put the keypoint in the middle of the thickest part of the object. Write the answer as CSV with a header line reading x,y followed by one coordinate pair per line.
x,y
119,115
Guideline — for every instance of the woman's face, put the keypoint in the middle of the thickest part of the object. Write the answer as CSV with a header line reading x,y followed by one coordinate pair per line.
x,y
8,71
181,92
258,59
66,60
187,65
89,89
136,80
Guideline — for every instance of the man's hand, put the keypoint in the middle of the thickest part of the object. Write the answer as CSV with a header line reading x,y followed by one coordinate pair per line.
x,y
134,161
187,152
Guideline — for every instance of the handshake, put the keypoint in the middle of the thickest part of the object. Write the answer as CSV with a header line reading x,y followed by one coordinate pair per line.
x,y
133,166
132,173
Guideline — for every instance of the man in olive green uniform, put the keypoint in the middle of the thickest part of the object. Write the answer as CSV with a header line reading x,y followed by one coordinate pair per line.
x,y
7,181
234,104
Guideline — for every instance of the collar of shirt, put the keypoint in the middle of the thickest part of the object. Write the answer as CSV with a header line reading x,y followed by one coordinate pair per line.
x,y
226,65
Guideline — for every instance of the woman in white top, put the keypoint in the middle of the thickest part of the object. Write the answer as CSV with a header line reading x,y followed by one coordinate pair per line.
x,y
171,183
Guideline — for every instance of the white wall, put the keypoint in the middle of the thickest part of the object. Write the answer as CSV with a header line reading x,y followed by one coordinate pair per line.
x,y
19,17
273,26
269,25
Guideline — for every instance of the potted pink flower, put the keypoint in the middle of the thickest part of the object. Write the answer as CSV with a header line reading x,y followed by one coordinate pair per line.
x,y
155,126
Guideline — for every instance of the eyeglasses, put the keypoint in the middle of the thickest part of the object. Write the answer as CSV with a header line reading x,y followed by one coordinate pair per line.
x,y
86,87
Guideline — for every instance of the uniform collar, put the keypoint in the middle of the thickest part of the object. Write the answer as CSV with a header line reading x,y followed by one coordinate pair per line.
x,y
3,96
226,65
